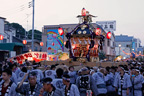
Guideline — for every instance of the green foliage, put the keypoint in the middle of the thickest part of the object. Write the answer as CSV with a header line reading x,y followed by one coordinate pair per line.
x,y
20,31
102,55
37,35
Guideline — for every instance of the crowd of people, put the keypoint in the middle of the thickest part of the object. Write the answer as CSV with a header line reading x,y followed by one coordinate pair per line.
x,y
61,80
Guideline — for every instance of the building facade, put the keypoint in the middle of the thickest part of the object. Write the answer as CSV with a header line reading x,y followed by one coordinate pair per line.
x,y
125,45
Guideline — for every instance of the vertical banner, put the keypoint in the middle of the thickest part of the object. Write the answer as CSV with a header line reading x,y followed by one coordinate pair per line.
x,y
133,46
54,42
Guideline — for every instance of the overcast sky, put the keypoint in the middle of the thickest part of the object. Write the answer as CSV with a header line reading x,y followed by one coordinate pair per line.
x,y
129,14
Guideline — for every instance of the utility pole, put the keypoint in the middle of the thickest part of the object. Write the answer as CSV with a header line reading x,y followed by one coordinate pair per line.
x,y
33,26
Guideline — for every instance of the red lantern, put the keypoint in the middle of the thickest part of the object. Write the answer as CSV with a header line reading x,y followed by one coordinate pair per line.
x,y
98,31
53,44
24,42
108,35
88,47
60,30
41,44
1,37
73,46
83,13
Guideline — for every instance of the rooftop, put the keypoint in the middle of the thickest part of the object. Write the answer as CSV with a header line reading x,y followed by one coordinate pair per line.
x,y
123,38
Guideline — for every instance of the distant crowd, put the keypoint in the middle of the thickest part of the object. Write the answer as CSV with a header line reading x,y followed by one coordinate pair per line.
x,y
34,79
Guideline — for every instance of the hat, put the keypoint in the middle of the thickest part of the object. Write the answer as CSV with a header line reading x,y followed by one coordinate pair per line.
x,y
47,80
65,66
91,71
48,66
32,74
80,71
66,77
84,69
139,63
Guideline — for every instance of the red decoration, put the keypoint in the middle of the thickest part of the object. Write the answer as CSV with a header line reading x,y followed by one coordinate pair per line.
x,y
60,30
83,13
1,37
41,43
44,56
24,42
88,47
98,31
108,35
95,46
22,57
37,55
73,46
53,44
49,48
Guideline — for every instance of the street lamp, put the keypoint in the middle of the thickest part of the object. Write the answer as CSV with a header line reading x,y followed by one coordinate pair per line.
x,y
119,48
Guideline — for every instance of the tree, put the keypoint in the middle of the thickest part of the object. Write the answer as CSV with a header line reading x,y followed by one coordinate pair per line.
x,y
37,35
20,31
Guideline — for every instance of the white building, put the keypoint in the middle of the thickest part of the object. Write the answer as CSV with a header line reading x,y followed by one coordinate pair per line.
x,y
7,31
109,44
2,22
109,47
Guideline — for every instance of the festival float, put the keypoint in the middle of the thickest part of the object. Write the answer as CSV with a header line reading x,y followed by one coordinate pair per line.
x,y
85,41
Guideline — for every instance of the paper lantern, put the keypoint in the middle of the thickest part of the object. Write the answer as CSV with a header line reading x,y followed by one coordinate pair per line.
x,y
60,30
108,35
24,42
1,37
98,31
83,13
53,44
73,46
41,43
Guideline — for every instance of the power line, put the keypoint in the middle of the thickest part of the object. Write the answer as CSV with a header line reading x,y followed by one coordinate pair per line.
x,y
25,18
16,9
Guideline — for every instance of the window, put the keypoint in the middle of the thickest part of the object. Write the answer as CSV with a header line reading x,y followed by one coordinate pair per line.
x,y
36,49
127,45
105,27
113,44
108,43
111,26
4,40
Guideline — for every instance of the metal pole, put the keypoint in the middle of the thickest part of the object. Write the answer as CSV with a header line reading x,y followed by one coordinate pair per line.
x,y
33,28
119,50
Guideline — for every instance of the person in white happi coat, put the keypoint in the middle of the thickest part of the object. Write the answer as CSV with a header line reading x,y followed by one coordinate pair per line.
x,y
32,88
7,87
38,72
137,81
72,74
22,74
86,83
49,89
57,82
122,82
51,73
13,77
69,88
100,82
